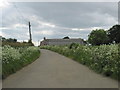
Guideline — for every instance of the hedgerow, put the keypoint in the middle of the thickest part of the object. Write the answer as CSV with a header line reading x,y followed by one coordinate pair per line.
x,y
103,59
14,59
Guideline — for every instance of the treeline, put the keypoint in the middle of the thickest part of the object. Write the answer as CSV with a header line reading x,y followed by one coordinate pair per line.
x,y
101,36
8,40
13,42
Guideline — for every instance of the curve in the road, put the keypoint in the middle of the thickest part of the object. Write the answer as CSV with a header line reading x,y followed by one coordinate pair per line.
x,y
53,70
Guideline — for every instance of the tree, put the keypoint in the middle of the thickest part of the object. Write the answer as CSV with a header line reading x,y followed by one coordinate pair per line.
x,y
98,37
3,39
15,40
66,37
114,34
11,40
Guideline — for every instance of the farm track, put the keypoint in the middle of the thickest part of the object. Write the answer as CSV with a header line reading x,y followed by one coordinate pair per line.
x,y
53,70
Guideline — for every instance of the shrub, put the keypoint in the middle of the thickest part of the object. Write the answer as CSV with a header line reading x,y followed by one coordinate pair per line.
x,y
14,59
102,59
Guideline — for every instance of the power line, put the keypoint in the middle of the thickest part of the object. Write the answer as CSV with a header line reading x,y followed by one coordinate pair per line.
x,y
20,13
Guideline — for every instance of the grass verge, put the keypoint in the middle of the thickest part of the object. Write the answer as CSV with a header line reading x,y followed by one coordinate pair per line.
x,y
13,59
104,59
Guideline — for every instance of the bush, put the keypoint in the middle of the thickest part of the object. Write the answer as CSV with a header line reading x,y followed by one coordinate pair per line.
x,y
14,59
102,59
17,44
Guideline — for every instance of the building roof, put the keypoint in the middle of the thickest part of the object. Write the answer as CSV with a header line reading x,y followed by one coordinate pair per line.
x,y
62,40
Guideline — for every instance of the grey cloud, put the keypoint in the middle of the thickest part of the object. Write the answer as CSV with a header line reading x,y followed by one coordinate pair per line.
x,y
73,14
62,15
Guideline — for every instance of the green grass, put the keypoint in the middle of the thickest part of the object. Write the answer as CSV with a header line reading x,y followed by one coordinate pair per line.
x,y
13,59
102,59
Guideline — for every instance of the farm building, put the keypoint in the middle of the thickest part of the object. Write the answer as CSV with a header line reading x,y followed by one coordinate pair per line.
x,y
61,41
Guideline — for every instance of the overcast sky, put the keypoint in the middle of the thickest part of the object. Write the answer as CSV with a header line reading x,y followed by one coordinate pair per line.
x,y
56,19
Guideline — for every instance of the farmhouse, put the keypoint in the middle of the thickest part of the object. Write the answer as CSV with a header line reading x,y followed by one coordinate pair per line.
x,y
64,41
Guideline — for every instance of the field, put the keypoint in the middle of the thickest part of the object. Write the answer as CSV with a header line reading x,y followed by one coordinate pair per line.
x,y
102,59
14,58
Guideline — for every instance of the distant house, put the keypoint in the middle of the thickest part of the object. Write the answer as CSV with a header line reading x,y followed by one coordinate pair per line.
x,y
63,41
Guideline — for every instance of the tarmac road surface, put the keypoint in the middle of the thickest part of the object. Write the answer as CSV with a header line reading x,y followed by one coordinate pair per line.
x,y
53,70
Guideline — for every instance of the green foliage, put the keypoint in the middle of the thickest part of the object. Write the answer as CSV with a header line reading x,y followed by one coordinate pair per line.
x,y
14,59
114,34
102,59
66,37
73,46
98,37
16,44
9,40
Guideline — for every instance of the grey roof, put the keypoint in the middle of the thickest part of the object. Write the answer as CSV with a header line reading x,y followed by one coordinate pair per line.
x,y
63,40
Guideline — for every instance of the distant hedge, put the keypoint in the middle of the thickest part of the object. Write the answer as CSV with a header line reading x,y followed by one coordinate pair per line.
x,y
17,44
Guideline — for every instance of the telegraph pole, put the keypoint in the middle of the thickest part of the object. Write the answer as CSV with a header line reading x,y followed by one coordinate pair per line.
x,y
38,43
30,32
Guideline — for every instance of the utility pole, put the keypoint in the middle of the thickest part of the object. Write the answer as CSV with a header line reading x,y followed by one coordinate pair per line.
x,y
30,33
38,43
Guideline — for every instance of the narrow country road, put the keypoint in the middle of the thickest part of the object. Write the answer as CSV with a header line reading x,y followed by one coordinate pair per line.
x,y
53,70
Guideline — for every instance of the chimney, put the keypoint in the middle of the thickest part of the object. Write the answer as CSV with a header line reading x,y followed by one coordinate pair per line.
x,y
44,38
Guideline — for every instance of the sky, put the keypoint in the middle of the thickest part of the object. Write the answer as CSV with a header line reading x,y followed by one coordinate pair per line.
x,y
56,19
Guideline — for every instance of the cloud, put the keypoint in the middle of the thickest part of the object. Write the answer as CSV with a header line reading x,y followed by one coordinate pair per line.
x,y
48,24
3,28
103,19
56,20
4,4
43,32
18,25
75,14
